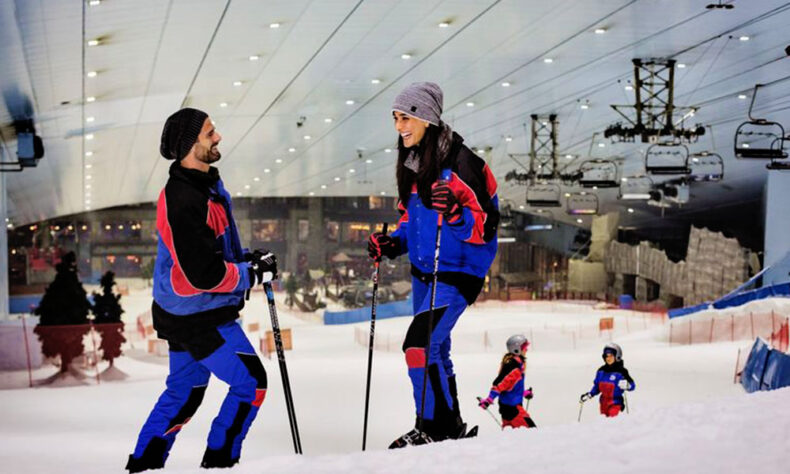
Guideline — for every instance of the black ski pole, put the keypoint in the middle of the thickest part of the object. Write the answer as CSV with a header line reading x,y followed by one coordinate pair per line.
x,y
370,343
445,178
278,344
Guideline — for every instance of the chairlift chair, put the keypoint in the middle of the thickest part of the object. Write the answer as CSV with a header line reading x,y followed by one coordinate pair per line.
x,y
582,203
759,138
635,188
667,159
544,195
598,173
706,167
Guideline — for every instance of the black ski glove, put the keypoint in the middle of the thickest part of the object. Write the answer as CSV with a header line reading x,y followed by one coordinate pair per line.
x,y
444,201
380,244
263,267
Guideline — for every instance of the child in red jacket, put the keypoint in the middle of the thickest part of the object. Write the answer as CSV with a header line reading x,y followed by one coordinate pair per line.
x,y
508,386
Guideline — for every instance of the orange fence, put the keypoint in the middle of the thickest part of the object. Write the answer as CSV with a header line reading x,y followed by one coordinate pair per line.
x,y
748,325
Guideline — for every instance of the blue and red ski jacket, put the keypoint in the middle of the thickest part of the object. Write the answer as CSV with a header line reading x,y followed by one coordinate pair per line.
x,y
469,243
200,262
607,383
509,383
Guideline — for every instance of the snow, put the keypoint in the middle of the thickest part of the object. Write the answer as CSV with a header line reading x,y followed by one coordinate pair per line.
x,y
686,414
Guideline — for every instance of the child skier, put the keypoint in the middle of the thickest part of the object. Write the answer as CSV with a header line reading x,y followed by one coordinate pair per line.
x,y
509,385
611,381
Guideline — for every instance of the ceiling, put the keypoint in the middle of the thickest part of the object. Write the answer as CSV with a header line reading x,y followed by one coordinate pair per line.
x,y
155,56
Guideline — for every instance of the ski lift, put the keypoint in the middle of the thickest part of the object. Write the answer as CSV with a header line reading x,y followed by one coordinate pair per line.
x,y
598,173
635,188
667,159
780,165
760,138
582,203
544,195
706,166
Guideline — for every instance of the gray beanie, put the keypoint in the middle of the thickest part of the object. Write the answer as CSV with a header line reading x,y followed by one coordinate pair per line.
x,y
181,132
422,100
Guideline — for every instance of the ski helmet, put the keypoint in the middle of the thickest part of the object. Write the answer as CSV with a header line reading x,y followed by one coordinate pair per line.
x,y
517,344
613,349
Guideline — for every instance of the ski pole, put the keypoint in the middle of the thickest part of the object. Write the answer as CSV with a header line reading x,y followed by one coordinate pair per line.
x,y
496,420
278,344
370,342
625,402
445,177
581,405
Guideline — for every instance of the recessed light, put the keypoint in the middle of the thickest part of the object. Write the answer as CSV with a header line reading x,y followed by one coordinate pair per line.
x,y
278,160
388,150
90,119
256,179
744,38
625,180
405,56
307,137
505,84
337,178
629,87
88,154
444,24
375,81
470,104
352,170
87,208
223,104
87,186
569,157
291,150
548,60
631,210
238,193
274,25
579,220
741,96
349,102
89,136
92,73
584,106
90,99
521,206
601,145
311,193
508,138
600,31
328,120
88,166
246,186
368,161
681,65
267,170
237,83
567,195
88,177
94,3
254,57
323,186
94,42
383,193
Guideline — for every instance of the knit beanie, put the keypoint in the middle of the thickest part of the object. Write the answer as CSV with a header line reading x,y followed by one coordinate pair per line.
x,y
422,100
181,132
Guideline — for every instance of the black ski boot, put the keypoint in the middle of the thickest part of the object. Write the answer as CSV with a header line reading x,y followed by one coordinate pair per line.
x,y
412,438
217,458
153,457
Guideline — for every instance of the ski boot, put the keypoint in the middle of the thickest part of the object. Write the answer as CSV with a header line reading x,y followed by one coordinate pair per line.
x,y
153,457
217,458
412,438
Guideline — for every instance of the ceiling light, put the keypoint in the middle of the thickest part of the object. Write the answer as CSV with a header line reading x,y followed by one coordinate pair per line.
x,y
274,25
237,83
246,186
584,106
238,193
90,119
90,99
444,24
745,145
291,150
278,160
508,138
368,161
88,177
328,120
625,180
629,87
600,31
631,210
352,170
311,193
223,104
88,154
87,208
470,104
681,66
567,195
94,3
88,202
579,220
87,186
323,186
505,84
92,73
254,57
88,166
601,145
267,170
695,160
256,179
349,102
375,81
744,38
383,193
388,150
337,178
93,42
89,136
548,60
405,56
521,206
742,96
635,196
307,137
569,157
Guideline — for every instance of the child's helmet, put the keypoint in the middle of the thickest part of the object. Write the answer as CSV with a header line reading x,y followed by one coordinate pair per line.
x,y
613,349
517,344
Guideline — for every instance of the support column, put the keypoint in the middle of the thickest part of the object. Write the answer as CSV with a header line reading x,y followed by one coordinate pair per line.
x,y
777,228
4,268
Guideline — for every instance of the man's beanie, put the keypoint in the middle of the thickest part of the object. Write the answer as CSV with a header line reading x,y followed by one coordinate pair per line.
x,y
181,132
422,100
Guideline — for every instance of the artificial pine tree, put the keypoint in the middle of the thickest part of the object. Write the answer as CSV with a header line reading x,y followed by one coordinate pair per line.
x,y
107,311
64,314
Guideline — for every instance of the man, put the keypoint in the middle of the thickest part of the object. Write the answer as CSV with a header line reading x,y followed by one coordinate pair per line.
x,y
200,278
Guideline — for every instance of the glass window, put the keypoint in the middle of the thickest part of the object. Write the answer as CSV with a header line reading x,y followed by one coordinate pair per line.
x,y
303,231
378,202
356,231
332,231
267,230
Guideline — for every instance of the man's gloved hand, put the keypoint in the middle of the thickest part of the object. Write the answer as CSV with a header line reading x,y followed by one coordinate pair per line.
x,y
485,403
444,201
263,266
380,244
585,396
528,393
623,384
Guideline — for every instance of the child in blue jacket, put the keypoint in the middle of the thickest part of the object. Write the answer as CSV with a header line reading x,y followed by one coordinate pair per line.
x,y
611,381
508,386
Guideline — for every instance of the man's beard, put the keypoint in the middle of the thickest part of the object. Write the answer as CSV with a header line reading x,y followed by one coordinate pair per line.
x,y
211,155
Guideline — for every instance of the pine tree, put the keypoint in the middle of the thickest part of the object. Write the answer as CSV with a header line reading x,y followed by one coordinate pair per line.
x,y
107,311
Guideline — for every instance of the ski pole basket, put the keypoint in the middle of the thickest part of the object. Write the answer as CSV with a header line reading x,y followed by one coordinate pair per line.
x,y
706,167
598,173
667,159
582,203
635,188
759,138
544,195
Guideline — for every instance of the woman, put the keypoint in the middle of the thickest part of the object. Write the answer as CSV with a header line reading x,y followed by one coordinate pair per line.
x,y
468,207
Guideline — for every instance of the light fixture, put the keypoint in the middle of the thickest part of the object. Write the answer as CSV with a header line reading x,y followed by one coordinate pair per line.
x,y
600,31
274,25
337,178
375,81
405,56
470,104
88,154
625,180
368,161
311,193
352,170
681,66
383,193
631,210
548,60
94,3
388,150
92,74
508,138
89,136
223,104
254,57
256,179
601,145
88,166
744,38
246,186
307,137
87,186
328,120
238,193
742,96
94,42
635,196
444,24
579,220
90,119
570,157
323,186
349,102
584,106
278,160
237,83
90,99
88,177
291,150
567,195
267,170
746,145
505,84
